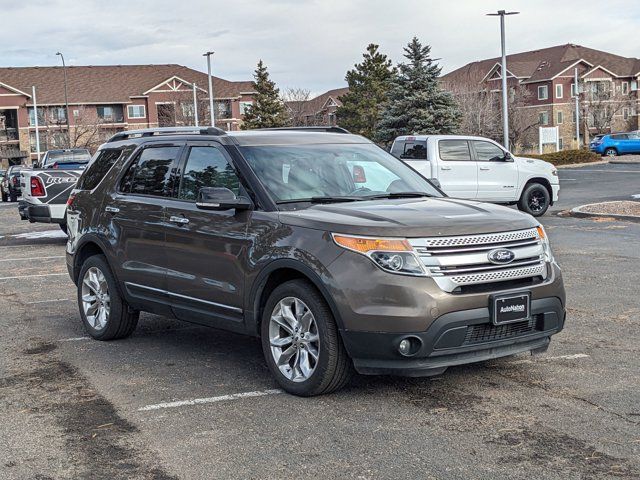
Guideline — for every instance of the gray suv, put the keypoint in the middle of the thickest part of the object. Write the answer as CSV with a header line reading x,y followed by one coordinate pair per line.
x,y
333,252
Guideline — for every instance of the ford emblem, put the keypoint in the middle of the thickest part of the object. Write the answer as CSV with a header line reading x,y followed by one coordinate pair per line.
x,y
501,256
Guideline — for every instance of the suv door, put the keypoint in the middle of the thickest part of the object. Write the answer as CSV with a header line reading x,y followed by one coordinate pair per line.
x,y
134,217
206,249
457,171
497,175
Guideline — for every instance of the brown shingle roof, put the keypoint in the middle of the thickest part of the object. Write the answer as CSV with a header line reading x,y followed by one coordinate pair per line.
x,y
316,104
537,65
109,83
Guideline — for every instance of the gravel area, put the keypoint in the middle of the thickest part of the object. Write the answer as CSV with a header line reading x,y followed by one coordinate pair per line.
x,y
614,208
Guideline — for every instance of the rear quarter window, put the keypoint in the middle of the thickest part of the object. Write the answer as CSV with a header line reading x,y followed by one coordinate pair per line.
x,y
100,166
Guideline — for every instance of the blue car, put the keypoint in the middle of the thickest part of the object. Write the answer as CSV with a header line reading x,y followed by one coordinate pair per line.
x,y
616,144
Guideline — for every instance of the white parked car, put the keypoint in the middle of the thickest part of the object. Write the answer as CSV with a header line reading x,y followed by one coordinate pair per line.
x,y
478,168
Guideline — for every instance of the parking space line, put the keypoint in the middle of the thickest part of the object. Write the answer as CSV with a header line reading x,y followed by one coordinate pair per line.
x,y
221,398
74,339
575,356
31,276
53,300
29,258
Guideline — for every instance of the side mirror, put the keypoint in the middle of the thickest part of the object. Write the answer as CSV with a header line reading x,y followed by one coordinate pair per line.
x,y
436,182
508,157
220,198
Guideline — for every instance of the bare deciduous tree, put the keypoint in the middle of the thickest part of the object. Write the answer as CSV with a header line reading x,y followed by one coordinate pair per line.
x,y
296,101
600,103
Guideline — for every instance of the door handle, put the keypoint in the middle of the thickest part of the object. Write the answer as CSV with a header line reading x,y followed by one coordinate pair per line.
x,y
445,168
485,168
111,209
179,220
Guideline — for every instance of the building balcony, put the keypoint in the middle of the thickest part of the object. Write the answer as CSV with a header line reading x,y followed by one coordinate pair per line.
x,y
9,135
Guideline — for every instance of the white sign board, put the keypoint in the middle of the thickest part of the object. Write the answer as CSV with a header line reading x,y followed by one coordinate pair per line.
x,y
549,135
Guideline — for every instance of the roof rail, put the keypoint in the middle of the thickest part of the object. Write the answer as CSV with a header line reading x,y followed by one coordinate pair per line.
x,y
151,132
309,129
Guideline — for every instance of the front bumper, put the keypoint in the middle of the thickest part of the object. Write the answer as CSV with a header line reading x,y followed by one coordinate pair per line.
x,y
456,338
555,191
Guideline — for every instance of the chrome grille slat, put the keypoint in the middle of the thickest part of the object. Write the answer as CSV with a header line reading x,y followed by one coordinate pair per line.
x,y
463,260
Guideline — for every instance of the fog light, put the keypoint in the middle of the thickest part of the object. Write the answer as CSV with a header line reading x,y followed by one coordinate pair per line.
x,y
405,347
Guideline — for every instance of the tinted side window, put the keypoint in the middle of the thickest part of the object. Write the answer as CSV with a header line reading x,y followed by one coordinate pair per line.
x,y
487,151
99,167
620,136
415,150
207,167
150,173
454,150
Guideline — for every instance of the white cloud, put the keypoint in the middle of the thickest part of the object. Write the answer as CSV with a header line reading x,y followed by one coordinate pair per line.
x,y
306,44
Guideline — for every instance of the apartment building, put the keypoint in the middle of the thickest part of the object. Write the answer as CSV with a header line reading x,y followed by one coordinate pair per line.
x,y
106,99
607,88
317,111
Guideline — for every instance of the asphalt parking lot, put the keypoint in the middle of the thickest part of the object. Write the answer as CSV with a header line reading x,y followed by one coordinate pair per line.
x,y
179,401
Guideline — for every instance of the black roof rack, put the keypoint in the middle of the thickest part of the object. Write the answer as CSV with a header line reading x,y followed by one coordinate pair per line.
x,y
309,129
151,132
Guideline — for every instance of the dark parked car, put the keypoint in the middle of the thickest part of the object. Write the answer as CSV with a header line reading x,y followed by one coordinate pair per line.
x,y
333,252
11,183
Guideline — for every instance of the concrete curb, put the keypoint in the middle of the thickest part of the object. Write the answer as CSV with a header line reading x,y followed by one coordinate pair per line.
x,y
580,165
578,213
625,162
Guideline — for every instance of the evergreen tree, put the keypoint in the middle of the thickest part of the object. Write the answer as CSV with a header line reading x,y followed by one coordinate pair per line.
x,y
268,109
415,103
368,85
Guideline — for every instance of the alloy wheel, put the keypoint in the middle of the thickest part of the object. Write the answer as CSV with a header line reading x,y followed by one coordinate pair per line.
x,y
96,302
537,201
294,340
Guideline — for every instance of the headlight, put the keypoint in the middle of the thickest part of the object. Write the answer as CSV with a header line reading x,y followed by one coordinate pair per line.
x,y
554,172
393,255
546,246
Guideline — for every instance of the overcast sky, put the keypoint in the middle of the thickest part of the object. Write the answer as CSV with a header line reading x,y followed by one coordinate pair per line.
x,y
308,44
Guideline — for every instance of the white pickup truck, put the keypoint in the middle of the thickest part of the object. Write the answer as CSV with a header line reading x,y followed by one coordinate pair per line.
x,y
45,191
478,168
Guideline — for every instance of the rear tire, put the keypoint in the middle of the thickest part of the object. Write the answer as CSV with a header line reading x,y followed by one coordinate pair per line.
x,y
301,342
610,152
535,200
104,313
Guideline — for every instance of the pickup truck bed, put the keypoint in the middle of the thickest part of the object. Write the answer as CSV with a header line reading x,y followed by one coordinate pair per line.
x,y
45,193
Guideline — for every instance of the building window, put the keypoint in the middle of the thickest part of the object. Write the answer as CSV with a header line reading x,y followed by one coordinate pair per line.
x,y
543,92
573,90
32,117
625,88
223,109
244,106
76,113
625,113
136,111
110,113
58,114
559,118
573,116
543,118
560,143
187,110
559,91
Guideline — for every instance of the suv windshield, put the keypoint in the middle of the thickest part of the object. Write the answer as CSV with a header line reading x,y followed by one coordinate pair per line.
x,y
328,172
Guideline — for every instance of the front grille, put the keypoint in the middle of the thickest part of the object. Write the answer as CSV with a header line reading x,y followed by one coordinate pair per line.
x,y
455,262
487,332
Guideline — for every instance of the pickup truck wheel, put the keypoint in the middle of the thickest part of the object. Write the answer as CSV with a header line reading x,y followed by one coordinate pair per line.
x,y
105,315
611,152
301,343
535,199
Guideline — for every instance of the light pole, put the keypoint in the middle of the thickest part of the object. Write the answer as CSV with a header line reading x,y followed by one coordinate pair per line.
x,y
213,119
503,68
66,100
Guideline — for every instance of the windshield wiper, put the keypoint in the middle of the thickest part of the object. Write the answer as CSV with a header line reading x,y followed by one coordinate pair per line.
x,y
400,195
322,200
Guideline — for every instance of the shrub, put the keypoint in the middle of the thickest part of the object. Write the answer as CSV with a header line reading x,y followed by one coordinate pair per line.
x,y
567,157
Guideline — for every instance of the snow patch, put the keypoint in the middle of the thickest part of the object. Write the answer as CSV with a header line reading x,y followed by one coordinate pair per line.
x,y
44,234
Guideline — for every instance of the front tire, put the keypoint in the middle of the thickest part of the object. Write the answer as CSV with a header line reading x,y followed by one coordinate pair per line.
x,y
611,152
104,313
535,200
301,342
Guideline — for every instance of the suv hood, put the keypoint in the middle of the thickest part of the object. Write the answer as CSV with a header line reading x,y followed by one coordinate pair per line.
x,y
420,217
